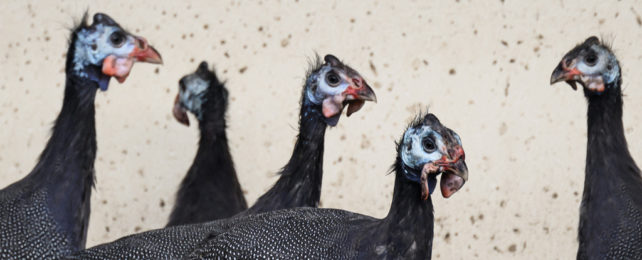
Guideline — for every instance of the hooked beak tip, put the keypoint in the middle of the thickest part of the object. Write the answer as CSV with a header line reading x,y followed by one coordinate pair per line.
x,y
555,79
368,94
558,74
146,53
159,58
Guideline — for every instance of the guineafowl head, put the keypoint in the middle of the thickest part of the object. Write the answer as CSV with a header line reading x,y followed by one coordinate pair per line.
x,y
104,49
428,149
332,85
200,93
593,65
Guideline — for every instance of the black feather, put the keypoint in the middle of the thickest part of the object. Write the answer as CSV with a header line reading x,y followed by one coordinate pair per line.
x,y
405,233
210,190
45,214
611,212
299,184
610,225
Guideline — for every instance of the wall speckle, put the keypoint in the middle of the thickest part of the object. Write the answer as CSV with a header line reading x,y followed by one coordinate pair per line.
x,y
485,74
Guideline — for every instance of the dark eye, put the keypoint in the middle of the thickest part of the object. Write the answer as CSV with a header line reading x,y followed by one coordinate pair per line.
x,y
117,38
428,145
591,59
332,79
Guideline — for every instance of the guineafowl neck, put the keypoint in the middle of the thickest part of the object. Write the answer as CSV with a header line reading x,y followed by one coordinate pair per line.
x,y
300,181
210,190
213,129
612,179
410,219
213,161
66,166
607,144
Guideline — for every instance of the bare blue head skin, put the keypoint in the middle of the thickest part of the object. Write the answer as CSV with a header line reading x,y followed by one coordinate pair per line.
x,y
592,64
333,86
428,149
104,49
200,93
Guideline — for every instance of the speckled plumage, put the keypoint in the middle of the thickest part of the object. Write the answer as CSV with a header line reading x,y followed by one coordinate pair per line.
x,y
167,243
45,215
28,229
317,233
405,233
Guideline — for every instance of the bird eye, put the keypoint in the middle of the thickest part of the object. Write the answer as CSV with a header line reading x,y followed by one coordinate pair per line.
x,y
428,145
591,59
117,38
332,79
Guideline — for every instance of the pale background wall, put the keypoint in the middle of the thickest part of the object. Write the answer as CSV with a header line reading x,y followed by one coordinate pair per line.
x,y
482,66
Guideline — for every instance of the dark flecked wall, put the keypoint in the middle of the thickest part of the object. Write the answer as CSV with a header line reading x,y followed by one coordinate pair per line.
x,y
483,67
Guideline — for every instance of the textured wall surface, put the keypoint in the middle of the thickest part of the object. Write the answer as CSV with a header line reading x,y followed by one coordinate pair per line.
x,y
482,66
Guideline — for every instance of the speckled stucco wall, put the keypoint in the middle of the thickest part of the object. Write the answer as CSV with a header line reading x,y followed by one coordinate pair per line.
x,y
482,66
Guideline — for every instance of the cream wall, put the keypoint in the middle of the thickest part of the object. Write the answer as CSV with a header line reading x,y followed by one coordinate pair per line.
x,y
482,66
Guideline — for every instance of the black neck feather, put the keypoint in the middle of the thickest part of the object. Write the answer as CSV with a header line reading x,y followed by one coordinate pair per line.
x,y
210,190
410,219
607,148
612,180
300,181
66,166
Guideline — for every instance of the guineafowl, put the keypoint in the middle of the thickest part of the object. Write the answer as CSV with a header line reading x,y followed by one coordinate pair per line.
x,y
611,210
210,189
45,214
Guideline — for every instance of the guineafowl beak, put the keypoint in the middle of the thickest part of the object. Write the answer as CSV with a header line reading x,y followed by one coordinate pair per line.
x,y
564,72
357,95
144,52
179,112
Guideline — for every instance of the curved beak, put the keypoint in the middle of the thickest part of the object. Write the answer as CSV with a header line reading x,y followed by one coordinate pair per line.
x,y
569,74
144,52
179,112
357,95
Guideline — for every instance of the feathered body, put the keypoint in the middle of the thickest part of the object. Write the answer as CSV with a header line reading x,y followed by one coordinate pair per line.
x,y
405,233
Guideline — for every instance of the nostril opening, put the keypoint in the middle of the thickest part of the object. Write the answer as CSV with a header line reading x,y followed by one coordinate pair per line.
x,y
140,43
357,82
181,84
